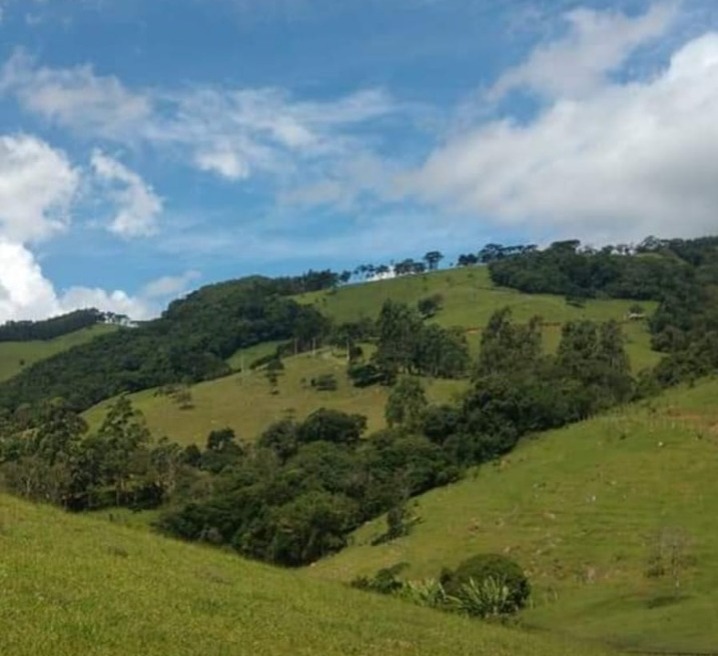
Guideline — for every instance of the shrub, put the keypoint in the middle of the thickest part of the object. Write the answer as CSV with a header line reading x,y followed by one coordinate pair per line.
x,y
488,581
429,593
325,383
385,581
489,598
365,375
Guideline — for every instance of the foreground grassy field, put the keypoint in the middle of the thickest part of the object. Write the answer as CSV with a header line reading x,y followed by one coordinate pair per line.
x,y
77,585
245,403
15,356
583,510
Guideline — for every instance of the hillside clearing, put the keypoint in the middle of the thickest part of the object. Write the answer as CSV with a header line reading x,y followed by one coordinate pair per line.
x,y
245,402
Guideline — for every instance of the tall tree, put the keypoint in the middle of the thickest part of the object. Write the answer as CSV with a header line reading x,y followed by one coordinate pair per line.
x,y
432,259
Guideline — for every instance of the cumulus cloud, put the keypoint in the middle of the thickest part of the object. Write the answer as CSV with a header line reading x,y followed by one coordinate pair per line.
x,y
25,292
626,160
138,207
37,187
596,44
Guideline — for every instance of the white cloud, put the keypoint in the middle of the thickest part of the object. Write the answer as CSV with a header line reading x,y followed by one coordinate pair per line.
x,y
118,301
597,44
138,207
75,97
25,293
238,133
233,133
223,162
625,161
169,286
37,187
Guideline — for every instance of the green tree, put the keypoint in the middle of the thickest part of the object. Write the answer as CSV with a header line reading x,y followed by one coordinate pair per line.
x,y
121,436
331,426
406,404
398,328
432,259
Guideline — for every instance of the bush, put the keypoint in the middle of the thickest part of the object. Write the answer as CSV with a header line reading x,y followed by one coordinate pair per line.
x,y
385,581
365,375
488,584
325,383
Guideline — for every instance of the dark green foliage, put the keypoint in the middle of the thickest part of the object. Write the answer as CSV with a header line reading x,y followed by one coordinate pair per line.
x,y
439,422
406,345
281,438
565,270
26,331
55,460
406,404
325,383
332,426
385,581
479,568
429,305
366,374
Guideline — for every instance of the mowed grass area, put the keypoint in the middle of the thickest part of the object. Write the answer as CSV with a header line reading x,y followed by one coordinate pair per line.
x,y
580,509
245,403
16,356
78,585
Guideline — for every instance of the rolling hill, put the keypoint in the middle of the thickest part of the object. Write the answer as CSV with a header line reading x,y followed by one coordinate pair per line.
x,y
78,585
585,510
15,356
243,401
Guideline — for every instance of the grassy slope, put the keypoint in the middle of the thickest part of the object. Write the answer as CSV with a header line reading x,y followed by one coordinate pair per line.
x,y
12,354
76,585
244,402
470,298
577,508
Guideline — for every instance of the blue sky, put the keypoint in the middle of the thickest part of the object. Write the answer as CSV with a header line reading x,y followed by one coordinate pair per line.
x,y
149,147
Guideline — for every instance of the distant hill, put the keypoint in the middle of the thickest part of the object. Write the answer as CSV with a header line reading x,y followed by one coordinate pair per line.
x,y
17,356
77,585
27,331
587,510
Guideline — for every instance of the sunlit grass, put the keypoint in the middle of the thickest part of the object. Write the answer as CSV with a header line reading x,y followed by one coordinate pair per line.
x,y
579,508
73,585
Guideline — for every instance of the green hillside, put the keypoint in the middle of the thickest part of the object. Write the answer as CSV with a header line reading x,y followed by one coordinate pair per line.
x,y
245,403
77,585
469,299
583,510
15,356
